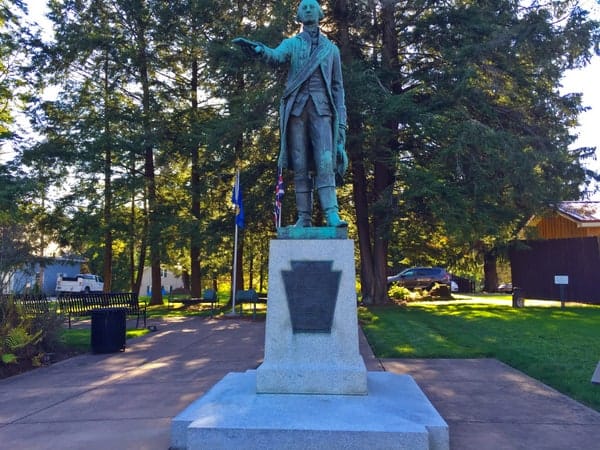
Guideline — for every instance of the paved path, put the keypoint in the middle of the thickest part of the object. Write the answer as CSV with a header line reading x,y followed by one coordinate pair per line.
x,y
489,405
127,400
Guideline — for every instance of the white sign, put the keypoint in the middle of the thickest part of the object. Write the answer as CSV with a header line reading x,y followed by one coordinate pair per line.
x,y
596,376
561,279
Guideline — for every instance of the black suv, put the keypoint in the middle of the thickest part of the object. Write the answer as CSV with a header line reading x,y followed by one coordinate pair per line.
x,y
421,277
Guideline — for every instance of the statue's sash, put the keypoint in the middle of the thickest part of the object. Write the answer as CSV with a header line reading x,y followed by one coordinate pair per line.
x,y
323,50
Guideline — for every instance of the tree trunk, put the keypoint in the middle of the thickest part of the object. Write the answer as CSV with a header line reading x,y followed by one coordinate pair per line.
x,y
137,271
490,271
383,183
196,277
143,250
108,202
357,168
132,235
251,270
263,258
384,172
367,273
149,176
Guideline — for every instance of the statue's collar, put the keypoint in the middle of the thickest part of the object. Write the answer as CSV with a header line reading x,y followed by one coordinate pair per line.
x,y
311,30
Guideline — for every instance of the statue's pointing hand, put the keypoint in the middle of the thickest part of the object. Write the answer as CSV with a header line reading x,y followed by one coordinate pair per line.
x,y
249,47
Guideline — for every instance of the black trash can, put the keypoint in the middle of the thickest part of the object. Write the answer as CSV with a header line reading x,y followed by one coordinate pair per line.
x,y
108,330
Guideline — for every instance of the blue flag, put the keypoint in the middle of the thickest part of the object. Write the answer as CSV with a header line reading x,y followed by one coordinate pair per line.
x,y
236,199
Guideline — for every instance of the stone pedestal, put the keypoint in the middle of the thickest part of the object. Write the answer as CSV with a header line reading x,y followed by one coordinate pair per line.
x,y
305,353
312,390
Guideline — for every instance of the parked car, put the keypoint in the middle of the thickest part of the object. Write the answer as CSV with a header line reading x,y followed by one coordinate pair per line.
x,y
505,287
421,277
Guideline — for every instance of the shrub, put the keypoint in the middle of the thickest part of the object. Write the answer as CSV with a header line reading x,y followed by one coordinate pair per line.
x,y
399,293
26,341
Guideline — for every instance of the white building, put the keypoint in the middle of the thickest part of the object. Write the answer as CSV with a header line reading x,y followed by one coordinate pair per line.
x,y
169,281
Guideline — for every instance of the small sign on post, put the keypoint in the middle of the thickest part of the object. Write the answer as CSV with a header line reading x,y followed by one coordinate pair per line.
x,y
561,281
596,376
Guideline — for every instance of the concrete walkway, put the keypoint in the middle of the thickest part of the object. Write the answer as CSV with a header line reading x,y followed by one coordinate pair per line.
x,y
127,400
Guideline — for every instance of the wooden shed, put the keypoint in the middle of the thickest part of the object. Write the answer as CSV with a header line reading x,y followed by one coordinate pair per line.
x,y
568,220
564,243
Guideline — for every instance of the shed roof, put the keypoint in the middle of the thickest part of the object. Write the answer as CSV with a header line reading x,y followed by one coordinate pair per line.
x,y
584,213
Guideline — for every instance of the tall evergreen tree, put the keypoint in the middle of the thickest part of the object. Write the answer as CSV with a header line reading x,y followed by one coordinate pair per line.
x,y
491,143
469,112
102,59
8,76
16,249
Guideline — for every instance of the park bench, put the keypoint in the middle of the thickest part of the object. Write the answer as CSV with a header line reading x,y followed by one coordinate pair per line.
x,y
30,304
209,296
249,296
80,304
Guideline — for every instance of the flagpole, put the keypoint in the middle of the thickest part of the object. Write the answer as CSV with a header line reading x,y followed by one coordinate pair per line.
x,y
235,247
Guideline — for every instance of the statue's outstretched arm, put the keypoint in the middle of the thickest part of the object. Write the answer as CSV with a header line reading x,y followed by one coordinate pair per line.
x,y
249,47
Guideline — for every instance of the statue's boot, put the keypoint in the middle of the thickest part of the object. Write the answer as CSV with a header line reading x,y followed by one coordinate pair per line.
x,y
304,202
329,205
304,206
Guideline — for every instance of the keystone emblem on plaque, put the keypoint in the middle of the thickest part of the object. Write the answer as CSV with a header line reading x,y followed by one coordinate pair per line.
x,y
311,288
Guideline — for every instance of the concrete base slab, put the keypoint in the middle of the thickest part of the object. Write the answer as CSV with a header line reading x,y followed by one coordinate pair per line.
x,y
394,415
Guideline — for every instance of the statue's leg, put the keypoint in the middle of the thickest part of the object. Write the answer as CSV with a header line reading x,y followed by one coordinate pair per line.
x,y
297,144
329,204
322,144
304,200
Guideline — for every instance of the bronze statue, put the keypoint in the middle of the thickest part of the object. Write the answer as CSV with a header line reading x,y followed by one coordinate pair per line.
x,y
312,114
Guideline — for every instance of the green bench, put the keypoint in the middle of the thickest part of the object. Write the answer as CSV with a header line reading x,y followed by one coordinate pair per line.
x,y
249,296
208,296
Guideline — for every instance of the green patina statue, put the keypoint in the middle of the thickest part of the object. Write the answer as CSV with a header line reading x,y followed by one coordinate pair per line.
x,y
312,114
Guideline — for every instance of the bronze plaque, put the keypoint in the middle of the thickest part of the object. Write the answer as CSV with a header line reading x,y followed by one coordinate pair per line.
x,y
311,289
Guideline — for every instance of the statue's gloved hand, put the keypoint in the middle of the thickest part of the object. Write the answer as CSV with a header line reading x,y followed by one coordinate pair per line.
x,y
249,47
341,158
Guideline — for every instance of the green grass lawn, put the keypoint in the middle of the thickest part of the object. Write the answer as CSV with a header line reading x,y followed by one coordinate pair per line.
x,y
560,347
78,339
